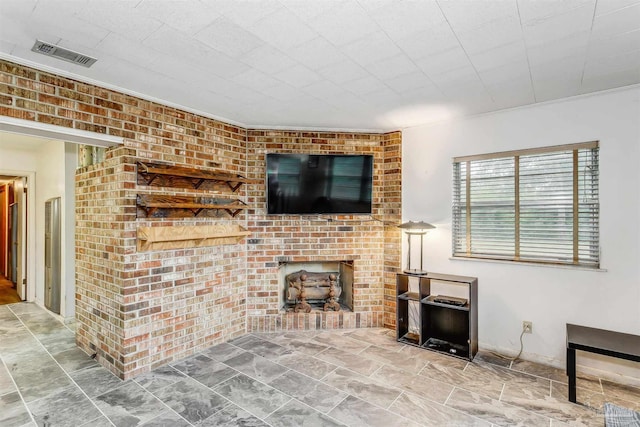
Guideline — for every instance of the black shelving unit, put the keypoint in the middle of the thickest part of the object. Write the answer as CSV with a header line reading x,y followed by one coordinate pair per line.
x,y
441,327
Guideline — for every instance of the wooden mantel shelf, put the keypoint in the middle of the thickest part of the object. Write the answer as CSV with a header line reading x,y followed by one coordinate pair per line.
x,y
151,171
193,236
152,204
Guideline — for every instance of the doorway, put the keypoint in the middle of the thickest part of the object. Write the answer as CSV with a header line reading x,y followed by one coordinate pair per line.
x,y
13,238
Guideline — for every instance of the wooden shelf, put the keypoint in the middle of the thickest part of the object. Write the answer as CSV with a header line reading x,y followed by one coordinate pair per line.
x,y
182,237
184,177
162,206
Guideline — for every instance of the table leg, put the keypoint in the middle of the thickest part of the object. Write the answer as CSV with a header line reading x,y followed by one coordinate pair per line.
x,y
571,373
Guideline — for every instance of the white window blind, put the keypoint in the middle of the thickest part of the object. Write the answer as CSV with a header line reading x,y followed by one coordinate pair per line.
x,y
538,205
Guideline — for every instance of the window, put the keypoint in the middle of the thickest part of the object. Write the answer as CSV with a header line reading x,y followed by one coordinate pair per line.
x,y
538,205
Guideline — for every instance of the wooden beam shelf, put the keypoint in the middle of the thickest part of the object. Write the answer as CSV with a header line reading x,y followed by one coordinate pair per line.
x,y
185,177
183,237
163,206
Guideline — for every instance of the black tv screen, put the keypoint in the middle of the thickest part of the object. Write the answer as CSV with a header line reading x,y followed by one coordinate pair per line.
x,y
319,184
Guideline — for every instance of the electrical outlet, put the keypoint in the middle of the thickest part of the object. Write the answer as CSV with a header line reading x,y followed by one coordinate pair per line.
x,y
527,327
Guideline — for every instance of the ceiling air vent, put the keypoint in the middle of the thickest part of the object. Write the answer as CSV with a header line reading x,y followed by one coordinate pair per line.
x,y
62,53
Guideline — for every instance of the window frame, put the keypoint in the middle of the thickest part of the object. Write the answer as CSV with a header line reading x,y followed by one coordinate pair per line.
x,y
462,210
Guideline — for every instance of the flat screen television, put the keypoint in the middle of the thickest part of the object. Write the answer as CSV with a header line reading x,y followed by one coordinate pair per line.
x,y
319,183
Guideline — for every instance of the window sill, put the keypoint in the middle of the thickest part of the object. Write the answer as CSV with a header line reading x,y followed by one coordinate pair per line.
x,y
529,264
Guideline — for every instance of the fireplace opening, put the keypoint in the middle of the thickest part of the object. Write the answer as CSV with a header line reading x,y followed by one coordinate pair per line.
x,y
316,286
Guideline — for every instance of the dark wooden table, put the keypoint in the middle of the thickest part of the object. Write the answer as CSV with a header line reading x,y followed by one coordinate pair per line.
x,y
600,341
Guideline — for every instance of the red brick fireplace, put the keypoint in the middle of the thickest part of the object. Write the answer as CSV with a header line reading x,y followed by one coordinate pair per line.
x,y
370,242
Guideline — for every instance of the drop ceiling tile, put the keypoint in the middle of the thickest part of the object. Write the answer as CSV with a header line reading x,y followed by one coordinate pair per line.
x,y
517,70
604,7
364,85
245,12
176,44
18,8
281,92
403,19
513,89
59,9
558,79
558,27
176,14
382,96
127,75
229,38
344,24
348,102
499,56
317,53
467,15
343,72
49,29
267,59
13,31
620,78
463,77
491,35
121,18
220,64
372,48
408,82
613,63
436,39
392,67
117,46
323,89
309,10
534,10
6,46
441,62
298,76
550,89
575,44
184,70
618,22
472,99
255,79
282,29
627,42
568,67
428,92
512,99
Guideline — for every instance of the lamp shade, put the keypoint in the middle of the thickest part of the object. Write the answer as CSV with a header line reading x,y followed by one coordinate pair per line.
x,y
416,226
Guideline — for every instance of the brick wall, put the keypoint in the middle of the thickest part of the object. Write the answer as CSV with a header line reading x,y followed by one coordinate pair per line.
x,y
139,310
294,238
101,221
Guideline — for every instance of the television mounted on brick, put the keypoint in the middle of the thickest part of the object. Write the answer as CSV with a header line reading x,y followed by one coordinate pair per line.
x,y
319,183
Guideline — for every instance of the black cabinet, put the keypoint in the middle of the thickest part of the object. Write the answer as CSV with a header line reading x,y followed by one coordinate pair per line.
x,y
438,312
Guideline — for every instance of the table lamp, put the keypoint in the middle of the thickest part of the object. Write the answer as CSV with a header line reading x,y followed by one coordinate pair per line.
x,y
415,228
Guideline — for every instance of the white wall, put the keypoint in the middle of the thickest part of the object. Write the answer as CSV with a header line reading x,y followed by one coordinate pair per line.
x,y
549,297
51,182
16,160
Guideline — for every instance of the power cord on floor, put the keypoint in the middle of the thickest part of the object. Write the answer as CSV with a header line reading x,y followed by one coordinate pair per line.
x,y
513,359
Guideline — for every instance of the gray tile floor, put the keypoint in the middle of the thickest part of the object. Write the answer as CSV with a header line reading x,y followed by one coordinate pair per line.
x,y
347,377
